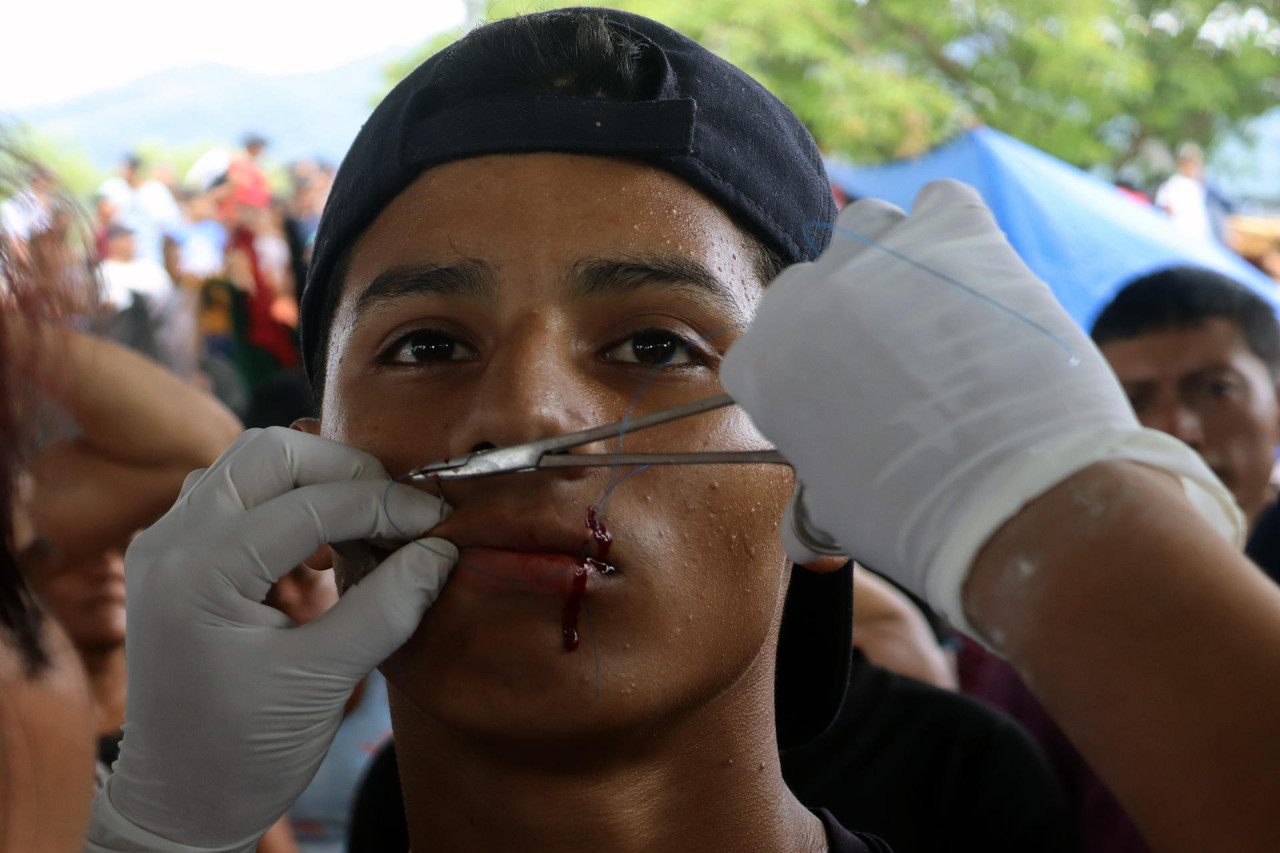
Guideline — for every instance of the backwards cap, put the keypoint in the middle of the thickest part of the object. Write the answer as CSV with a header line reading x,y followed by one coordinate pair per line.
x,y
696,116
704,120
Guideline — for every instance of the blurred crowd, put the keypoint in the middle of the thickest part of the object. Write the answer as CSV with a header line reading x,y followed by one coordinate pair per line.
x,y
148,328
202,273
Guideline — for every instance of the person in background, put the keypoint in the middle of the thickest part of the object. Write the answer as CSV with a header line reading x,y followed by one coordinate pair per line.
x,y
894,634
1183,195
46,711
152,316
1198,355
201,239
144,206
128,276
136,431
248,181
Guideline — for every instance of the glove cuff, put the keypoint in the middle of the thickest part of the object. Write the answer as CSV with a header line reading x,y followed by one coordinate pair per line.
x,y
1028,475
112,832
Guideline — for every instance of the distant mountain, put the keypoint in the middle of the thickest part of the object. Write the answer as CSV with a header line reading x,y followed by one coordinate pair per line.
x,y
303,115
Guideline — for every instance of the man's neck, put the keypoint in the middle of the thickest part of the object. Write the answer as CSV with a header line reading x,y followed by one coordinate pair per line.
x,y
708,787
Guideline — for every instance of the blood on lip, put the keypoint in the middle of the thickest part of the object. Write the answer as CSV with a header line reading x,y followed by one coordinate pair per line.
x,y
598,532
584,567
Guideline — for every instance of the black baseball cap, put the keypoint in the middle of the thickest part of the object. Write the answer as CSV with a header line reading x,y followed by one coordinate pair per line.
x,y
694,115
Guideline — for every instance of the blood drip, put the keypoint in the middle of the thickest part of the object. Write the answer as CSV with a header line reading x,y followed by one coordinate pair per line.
x,y
569,615
599,533
584,567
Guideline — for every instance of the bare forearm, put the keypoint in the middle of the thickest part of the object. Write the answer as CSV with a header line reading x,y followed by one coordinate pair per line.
x,y
1153,643
130,408
84,502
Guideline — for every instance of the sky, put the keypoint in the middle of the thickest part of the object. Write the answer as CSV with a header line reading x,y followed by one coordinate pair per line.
x,y
54,51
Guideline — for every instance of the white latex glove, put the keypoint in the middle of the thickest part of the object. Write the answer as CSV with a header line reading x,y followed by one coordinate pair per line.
x,y
920,416
231,706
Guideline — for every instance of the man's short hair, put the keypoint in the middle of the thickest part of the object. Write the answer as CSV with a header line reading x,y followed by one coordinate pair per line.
x,y
1187,297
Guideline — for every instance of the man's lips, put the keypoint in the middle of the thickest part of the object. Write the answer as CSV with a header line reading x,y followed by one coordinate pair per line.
x,y
530,532
539,572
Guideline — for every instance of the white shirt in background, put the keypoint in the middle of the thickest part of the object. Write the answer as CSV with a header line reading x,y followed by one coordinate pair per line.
x,y
1184,199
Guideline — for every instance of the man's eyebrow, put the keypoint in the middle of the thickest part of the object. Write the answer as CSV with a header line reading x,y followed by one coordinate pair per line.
x,y
465,278
599,276
1209,370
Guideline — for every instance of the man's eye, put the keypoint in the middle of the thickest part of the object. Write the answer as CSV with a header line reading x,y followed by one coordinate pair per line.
x,y
424,346
653,346
1216,389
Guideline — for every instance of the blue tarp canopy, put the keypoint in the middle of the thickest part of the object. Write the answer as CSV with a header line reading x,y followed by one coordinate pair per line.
x,y
1077,232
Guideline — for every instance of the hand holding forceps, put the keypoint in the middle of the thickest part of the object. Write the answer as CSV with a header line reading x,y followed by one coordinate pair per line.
x,y
553,452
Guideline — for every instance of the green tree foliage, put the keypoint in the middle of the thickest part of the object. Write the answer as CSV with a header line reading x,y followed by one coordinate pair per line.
x,y
66,160
1087,81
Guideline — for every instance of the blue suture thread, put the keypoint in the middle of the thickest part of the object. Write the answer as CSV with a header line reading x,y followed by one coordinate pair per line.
x,y
604,499
1072,358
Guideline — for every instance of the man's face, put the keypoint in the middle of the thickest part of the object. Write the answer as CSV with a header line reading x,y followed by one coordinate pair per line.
x,y
86,596
1204,386
503,299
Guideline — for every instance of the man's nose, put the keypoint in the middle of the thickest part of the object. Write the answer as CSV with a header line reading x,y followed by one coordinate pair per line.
x,y
1180,421
527,392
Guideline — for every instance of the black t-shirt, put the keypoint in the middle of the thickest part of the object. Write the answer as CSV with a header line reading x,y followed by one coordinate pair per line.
x,y
841,840
1263,546
926,770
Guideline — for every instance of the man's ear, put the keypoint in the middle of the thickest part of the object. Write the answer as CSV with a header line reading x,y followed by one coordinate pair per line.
x,y
826,564
311,426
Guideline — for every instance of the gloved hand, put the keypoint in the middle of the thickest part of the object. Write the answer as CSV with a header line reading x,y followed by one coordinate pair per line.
x,y
231,707
919,414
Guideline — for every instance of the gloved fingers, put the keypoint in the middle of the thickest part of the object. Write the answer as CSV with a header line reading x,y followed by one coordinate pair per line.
x,y
946,192
282,532
858,226
955,211
277,460
191,479
377,615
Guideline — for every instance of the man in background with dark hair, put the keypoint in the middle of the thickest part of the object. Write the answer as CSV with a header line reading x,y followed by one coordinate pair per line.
x,y
1199,357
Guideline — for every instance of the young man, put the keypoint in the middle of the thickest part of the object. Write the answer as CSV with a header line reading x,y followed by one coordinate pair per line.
x,y
593,257
520,287
521,234
1199,356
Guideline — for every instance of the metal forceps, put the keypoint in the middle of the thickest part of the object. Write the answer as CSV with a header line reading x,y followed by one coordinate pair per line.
x,y
553,452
